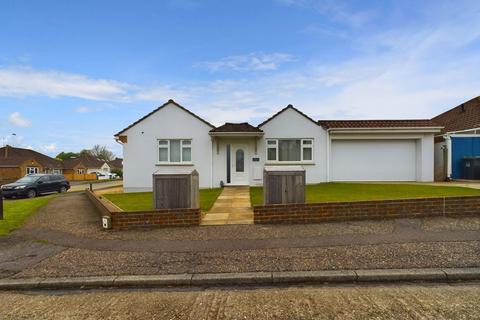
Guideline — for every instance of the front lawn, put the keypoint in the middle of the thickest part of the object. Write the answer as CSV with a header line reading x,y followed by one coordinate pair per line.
x,y
15,212
140,201
335,192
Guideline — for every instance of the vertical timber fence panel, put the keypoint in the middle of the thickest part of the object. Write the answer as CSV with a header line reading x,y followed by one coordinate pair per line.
x,y
282,185
176,190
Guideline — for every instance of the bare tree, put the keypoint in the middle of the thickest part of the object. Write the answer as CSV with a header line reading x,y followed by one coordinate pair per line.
x,y
101,152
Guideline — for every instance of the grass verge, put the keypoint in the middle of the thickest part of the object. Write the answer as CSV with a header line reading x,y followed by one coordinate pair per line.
x,y
337,192
139,201
17,211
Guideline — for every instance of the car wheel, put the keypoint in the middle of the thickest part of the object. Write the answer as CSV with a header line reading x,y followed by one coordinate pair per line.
x,y
31,193
62,190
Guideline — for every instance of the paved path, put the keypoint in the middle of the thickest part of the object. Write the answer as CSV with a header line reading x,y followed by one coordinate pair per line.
x,y
232,207
414,301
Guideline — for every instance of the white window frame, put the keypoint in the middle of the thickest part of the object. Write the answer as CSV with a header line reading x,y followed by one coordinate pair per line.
x,y
57,171
182,146
29,169
276,144
80,171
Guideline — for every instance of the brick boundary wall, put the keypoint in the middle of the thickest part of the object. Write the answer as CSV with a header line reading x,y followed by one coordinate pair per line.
x,y
362,210
123,220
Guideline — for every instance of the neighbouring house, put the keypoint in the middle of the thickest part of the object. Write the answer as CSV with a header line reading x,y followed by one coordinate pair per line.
x,y
171,138
116,164
85,165
18,162
458,141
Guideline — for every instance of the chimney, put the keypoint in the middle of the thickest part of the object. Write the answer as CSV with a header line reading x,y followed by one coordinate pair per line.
x,y
6,151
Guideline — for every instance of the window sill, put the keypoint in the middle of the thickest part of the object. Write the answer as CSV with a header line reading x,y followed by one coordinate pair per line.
x,y
280,163
174,164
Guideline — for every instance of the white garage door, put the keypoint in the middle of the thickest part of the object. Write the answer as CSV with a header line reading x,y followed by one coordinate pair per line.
x,y
373,160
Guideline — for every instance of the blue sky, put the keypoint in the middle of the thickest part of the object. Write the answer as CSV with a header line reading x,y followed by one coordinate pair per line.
x,y
73,73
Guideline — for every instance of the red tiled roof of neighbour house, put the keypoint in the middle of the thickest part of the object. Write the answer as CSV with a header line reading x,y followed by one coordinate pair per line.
x,y
158,109
87,161
364,124
236,127
16,156
283,110
117,163
462,117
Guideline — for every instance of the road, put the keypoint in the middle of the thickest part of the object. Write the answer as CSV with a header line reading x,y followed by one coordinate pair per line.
x,y
401,301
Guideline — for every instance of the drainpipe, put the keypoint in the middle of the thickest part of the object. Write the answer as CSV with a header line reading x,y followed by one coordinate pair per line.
x,y
328,154
212,140
449,157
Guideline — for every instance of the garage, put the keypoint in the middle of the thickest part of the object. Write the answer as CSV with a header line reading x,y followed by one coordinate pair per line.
x,y
373,160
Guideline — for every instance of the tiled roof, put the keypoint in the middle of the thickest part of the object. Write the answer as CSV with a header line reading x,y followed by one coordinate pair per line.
x,y
16,156
462,117
87,161
356,124
117,163
158,109
236,127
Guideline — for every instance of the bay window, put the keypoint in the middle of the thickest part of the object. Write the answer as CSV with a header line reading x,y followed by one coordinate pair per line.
x,y
289,150
174,150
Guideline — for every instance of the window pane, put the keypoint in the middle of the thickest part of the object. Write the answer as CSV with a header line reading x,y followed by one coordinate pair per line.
x,y
272,142
307,153
163,154
239,155
307,141
272,154
187,154
174,150
289,150
186,142
163,142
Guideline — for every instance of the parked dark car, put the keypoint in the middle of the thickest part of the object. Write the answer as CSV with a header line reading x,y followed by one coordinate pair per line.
x,y
35,184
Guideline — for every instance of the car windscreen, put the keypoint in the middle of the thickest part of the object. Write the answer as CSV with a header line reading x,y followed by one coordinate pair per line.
x,y
28,179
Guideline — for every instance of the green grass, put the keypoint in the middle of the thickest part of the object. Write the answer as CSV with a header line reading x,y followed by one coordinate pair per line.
x,y
139,201
15,212
334,192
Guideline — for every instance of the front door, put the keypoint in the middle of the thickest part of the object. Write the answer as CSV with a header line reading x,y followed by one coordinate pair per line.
x,y
239,164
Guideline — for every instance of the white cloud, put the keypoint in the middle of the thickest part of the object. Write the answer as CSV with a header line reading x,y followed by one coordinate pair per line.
x,y
82,109
334,10
29,82
18,120
162,93
49,147
248,62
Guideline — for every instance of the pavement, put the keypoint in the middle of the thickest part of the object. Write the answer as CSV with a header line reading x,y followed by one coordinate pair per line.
x,y
380,301
65,240
81,186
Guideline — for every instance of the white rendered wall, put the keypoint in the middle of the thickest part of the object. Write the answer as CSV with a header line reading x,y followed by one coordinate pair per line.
x,y
141,150
291,124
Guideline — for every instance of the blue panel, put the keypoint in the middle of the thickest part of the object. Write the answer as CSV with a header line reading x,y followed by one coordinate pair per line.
x,y
463,147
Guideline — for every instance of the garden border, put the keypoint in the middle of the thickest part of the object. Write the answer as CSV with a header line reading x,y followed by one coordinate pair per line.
x,y
123,220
